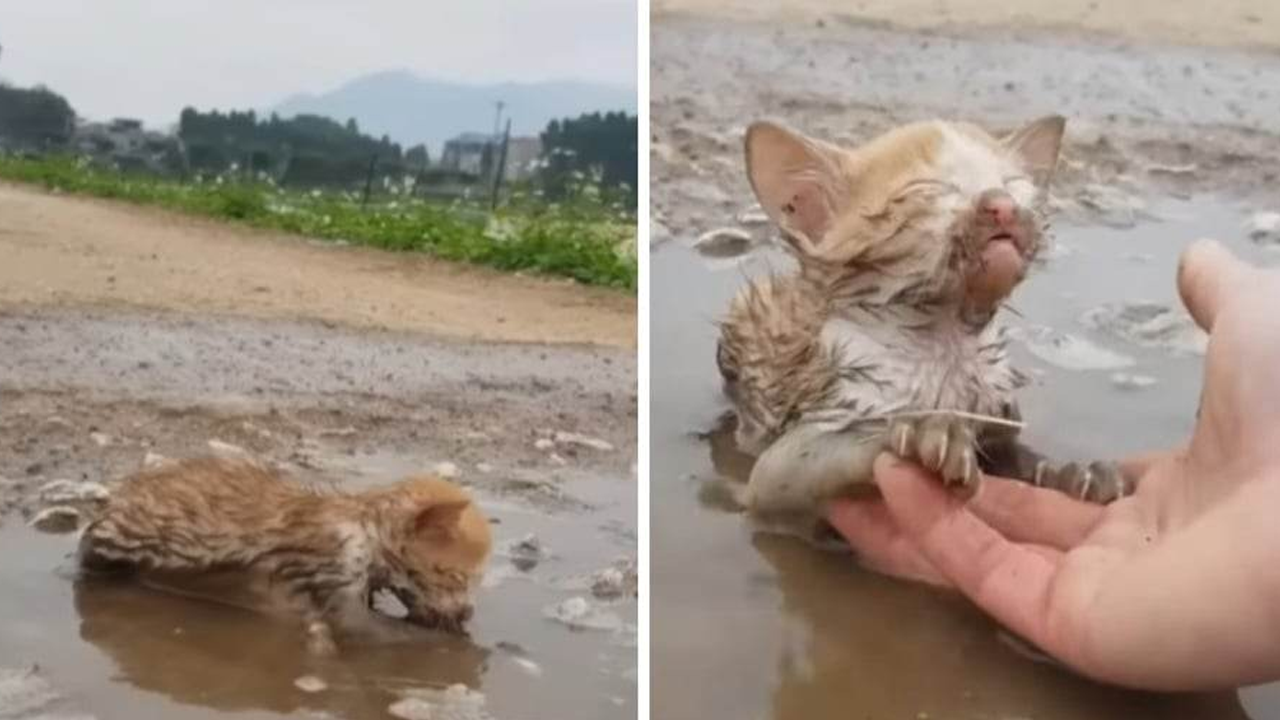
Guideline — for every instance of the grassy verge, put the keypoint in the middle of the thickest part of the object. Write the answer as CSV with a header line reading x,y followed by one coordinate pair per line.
x,y
581,239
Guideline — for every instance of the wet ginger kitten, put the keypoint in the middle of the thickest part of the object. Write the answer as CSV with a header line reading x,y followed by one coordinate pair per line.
x,y
907,246
241,533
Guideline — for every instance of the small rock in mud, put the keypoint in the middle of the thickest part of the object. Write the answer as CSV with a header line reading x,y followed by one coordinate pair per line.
x,y
152,460
619,580
56,519
578,613
1148,324
57,422
557,459
484,468
310,684
446,470
571,438
1132,381
226,449
527,548
1264,227
62,492
723,243
753,216
1069,352
544,444
24,691
456,702
100,439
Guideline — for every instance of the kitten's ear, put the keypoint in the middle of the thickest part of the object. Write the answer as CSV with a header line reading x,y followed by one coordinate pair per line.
x,y
1037,143
801,182
439,520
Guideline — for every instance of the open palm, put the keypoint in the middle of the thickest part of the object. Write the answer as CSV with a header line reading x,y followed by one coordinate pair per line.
x,y
1176,587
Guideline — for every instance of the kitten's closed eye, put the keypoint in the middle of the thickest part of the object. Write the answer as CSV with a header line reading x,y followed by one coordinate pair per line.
x,y
922,186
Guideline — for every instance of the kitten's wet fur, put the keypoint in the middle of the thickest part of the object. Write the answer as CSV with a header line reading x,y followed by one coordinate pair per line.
x,y
885,336
238,532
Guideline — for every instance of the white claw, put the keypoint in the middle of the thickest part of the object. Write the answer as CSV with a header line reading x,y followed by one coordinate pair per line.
x,y
1042,467
1088,482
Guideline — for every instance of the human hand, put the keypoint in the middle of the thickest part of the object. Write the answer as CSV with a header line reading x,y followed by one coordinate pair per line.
x,y
1176,587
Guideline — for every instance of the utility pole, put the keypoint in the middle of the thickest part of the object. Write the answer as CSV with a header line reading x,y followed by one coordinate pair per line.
x,y
368,180
499,167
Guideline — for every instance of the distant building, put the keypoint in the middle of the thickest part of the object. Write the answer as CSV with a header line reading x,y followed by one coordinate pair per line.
x,y
471,153
522,157
467,153
127,144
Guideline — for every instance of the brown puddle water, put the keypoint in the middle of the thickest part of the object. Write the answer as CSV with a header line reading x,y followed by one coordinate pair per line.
x,y
115,650
763,627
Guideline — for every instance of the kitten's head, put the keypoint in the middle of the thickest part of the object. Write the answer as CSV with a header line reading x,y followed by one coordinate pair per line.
x,y
437,548
930,212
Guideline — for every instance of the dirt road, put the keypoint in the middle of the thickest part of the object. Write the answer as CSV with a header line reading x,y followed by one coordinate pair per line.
x,y
70,251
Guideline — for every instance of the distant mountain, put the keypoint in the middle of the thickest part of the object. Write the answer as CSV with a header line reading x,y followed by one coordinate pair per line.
x,y
413,109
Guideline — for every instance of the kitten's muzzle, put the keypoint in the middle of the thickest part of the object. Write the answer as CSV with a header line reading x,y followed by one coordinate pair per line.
x,y
1000,219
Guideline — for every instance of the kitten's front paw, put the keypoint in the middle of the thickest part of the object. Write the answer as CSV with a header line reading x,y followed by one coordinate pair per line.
x,y
1098,482
942,443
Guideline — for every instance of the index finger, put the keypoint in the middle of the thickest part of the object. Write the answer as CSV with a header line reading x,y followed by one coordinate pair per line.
x,y
1011,582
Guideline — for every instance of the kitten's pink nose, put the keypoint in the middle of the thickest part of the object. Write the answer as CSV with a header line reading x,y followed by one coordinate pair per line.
x,y
999,206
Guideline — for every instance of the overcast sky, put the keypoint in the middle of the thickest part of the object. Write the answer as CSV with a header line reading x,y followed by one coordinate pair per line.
x,y
149,58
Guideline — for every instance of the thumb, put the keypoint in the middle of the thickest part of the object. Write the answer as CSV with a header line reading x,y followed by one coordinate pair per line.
x,y
1208,273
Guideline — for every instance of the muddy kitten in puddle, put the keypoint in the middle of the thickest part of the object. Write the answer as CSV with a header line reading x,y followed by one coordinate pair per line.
x,y
907,246
237,532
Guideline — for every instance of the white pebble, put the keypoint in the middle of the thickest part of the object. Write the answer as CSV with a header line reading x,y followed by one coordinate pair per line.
x,y
152,460
1264,227
571,438
70,491
447,470
56,519
310,684
528,666
226,449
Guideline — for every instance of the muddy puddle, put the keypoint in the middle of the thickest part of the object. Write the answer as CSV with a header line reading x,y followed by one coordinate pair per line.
x,y
114,650
89,398
755,626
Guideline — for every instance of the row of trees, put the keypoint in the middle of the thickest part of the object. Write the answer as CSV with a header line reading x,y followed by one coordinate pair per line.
x,y
311,150
602,145
35,118
302,150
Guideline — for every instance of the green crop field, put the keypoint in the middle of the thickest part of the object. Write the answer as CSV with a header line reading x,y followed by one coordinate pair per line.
x,y
584,237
